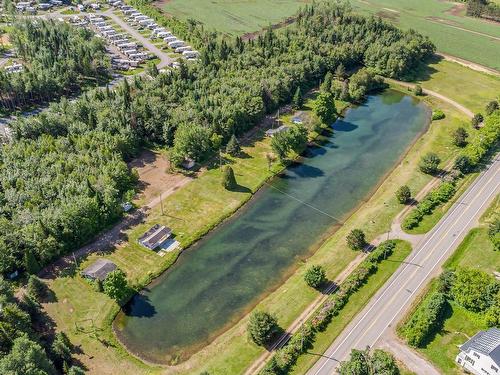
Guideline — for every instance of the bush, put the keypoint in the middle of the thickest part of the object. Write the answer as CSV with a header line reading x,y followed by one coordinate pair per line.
x,y
315,276
412,220
424,322
356,239
494,233
418,90
228,179
429,163
403,194
474,290
437,115
462,164
459,137
491,107
261,327
477,120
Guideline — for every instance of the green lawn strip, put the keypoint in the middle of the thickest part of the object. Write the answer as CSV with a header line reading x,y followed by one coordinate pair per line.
x,y
429,221
356,303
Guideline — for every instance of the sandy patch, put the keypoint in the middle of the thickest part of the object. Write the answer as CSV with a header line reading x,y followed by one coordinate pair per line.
x,y
154,176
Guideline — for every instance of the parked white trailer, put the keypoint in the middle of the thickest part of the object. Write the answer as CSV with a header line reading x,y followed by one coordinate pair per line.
x,y
128,45
163,34
152,26
182,49
119,41
169,39
131,51
139,56
116,37
190,54
146,23
176,44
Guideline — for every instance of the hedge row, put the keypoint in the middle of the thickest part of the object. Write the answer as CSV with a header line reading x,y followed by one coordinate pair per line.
x,y
488,137
302,340
440,195
425,320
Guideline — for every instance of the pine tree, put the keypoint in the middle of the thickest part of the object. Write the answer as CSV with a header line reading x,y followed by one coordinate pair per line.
x,y
233,146
298,100
31,263
228,179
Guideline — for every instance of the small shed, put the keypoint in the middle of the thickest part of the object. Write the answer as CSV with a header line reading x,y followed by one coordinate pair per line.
x,y
99,269
188,163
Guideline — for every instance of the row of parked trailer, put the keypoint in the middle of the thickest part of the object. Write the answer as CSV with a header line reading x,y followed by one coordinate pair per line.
x,y
133,54
31,7
136,18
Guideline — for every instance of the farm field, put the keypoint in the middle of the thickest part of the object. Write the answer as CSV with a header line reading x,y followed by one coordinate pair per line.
x,y
445,23
233,16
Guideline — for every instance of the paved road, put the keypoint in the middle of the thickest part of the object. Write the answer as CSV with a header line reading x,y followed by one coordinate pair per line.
x,y
392,301
165,60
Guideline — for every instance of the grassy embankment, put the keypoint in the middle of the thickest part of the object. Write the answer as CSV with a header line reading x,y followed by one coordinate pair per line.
x,y
488,88
475,251
447,26
196,208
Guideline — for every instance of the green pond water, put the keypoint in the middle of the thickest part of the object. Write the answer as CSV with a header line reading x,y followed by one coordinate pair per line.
x,y
220,278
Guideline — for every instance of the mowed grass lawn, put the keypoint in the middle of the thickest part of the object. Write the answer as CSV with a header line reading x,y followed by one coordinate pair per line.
x,y
234,17
193,210
451,31
475,251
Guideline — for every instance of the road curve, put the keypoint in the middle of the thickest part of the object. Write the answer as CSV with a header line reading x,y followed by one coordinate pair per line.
x,y
391,302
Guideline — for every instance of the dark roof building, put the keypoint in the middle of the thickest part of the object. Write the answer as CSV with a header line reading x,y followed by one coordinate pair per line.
x,y
155,236
99,269
481,354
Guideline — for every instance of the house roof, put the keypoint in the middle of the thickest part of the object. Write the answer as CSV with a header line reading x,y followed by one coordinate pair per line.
x,y
485,342
155,234
99,269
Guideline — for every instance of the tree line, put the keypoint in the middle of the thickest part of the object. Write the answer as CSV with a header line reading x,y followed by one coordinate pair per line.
x,y
64,174
56,58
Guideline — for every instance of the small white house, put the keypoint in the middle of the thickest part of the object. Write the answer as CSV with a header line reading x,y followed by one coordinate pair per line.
x,y
481,354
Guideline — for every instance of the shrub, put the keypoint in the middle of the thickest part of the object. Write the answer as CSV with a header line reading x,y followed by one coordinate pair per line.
x,y
413,219
494,233
261,327
437,115
315,276
418,90
425,320
477,120
491,107
403,194
228,179
459,137
462,164
429,163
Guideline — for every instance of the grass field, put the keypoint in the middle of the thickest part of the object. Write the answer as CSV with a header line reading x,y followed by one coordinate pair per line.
x,y
234,16
475,251
444,22
199,205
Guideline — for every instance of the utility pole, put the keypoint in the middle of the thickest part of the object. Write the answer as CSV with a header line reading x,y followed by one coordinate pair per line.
x,y
161,204
220,160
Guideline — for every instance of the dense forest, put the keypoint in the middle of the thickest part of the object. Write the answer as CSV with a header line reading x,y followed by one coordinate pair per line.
x,y
57,58
64,174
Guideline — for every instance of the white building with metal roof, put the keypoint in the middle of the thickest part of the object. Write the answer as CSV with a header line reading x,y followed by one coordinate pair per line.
x,y
481,354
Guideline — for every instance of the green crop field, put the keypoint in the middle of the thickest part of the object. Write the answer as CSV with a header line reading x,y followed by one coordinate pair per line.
x,y
445,23
234,16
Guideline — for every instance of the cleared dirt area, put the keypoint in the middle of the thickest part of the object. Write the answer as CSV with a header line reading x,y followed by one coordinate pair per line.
x,y
154,176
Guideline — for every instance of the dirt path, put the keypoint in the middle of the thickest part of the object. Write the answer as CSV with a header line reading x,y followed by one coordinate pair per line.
x,y
458,106
470,65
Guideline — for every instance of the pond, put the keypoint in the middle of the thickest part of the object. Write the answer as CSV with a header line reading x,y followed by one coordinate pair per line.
x,y
215,282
